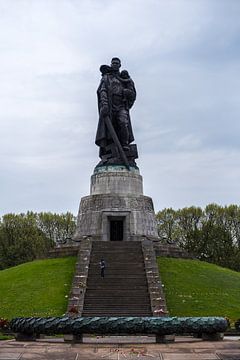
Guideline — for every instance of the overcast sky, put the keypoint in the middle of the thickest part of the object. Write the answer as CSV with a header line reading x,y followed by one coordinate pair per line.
x,y
183,56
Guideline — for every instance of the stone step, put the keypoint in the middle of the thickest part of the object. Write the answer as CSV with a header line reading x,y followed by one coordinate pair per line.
x,y
114,259
120,303
102,244
117,292
119,307
110,278
132,288
105,293
119,284
105,282
116,313
122,299
138,270
117,277
119,274
117,262
120,251
113,279
113,262
124,289
118,270
130,252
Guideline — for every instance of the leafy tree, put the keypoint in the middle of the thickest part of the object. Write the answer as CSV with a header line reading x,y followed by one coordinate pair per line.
x,y
24,237
57,227
21,240
189,223
211,234
167,225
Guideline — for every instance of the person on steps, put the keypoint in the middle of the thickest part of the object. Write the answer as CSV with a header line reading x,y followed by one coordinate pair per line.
x,y
102,268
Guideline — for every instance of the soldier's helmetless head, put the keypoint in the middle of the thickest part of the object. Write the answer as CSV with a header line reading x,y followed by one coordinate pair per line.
x,y
116,63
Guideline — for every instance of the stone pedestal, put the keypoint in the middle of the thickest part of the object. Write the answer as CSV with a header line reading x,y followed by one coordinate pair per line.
x,y
116,208
217,336
165,339
73,338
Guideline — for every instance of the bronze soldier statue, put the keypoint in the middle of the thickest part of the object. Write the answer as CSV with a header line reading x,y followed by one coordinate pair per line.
x,y
116,95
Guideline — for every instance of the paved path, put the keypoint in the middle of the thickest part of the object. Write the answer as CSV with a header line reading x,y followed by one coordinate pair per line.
x,y
120,348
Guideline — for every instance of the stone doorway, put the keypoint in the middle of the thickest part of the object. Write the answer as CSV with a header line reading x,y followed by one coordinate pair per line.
x,y
116,230
110,225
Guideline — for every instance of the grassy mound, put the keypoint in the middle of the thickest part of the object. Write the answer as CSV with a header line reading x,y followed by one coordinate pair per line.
x,y
197,288
38,288
192,288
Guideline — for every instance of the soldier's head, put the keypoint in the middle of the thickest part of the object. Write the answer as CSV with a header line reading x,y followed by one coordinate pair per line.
x,y
115,64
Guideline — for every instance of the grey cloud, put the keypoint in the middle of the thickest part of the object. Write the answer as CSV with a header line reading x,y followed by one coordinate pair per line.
x,y
184,58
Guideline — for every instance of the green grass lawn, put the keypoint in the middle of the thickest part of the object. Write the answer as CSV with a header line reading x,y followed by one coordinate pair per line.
x,y
38,288
192,288
197,288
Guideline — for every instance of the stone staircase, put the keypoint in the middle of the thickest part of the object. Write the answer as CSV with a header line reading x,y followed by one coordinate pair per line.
x,y
124,289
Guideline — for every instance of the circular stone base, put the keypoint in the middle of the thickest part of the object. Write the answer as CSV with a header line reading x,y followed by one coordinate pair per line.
x,y
116,195
114,168
116,179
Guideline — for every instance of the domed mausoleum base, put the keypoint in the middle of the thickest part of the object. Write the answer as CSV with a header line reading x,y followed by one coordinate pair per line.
x,y
116,208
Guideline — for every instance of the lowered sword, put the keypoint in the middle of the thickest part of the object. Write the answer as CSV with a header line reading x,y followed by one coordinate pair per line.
x,y
116,141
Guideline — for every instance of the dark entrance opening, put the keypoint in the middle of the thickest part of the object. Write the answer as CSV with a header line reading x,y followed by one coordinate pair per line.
x,y
116,230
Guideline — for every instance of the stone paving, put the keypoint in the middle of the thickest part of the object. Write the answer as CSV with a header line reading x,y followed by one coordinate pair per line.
x,y
120,348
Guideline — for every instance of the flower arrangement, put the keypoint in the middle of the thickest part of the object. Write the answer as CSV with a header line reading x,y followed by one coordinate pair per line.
x,y
73,310
237,324
4,324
